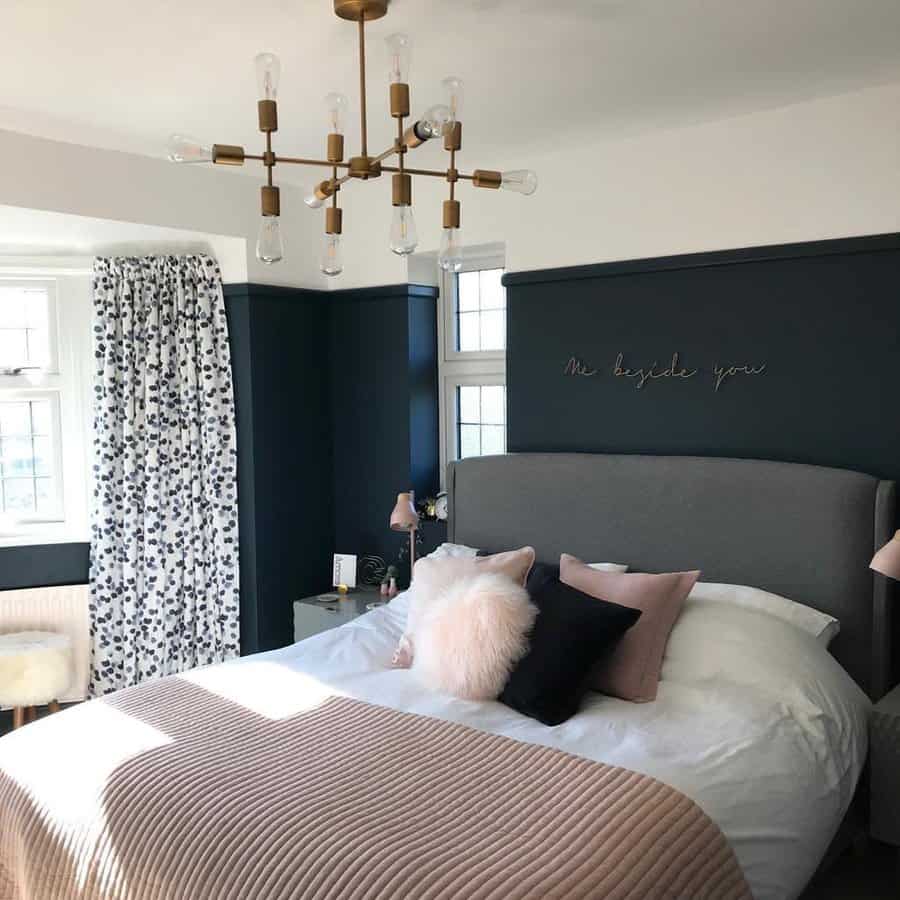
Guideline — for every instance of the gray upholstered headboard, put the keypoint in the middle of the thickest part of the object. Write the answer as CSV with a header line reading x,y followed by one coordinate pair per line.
x,y
804,532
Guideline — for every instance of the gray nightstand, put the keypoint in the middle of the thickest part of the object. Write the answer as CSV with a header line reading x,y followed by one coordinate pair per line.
x,y
324,611
884,753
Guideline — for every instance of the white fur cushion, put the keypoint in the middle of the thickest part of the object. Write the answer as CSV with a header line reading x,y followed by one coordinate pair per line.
x,y
35,668
432,575
471,633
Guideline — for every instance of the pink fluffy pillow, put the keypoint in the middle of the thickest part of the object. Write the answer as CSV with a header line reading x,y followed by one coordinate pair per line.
x,y
431,575
471,633
632,670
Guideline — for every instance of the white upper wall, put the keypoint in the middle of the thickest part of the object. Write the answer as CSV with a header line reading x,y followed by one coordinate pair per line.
x,y
188,206
35,238
821,169
826,168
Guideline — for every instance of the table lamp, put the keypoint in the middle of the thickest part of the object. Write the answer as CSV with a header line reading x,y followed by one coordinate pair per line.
x,y
887,560
405,518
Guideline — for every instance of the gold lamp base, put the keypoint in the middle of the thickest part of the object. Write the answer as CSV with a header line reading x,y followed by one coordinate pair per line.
x,y
354,10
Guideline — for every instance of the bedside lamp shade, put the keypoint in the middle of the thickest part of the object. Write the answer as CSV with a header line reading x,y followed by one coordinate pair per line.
x,y
887,560
404,516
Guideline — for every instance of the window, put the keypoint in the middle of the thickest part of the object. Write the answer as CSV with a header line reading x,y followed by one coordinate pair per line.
x,y
481,419
472,365
25,311
480,311
44,407
30,468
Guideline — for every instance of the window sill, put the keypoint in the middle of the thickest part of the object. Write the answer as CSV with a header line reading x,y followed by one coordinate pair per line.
x,y
44,536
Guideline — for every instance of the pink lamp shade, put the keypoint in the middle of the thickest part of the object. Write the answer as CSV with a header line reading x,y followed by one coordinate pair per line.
x,y
404,517
887,559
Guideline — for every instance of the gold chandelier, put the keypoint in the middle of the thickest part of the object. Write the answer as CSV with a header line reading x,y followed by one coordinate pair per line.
x,y
439,121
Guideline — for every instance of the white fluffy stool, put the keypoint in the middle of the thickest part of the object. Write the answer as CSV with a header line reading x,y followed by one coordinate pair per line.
x,y
35,670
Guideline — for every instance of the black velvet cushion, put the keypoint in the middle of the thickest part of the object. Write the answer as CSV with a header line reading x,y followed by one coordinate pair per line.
x,y
571,633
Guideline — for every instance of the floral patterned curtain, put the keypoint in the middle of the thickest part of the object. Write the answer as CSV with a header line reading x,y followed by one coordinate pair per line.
x,y
164,550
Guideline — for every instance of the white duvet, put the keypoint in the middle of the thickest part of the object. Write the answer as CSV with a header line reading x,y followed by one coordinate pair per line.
x,y
755,721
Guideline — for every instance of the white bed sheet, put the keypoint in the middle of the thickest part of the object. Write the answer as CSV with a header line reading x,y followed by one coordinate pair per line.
x,y
754,721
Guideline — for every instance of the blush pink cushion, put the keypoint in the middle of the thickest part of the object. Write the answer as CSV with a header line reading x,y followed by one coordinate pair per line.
x,y
432,576
471,634
631,671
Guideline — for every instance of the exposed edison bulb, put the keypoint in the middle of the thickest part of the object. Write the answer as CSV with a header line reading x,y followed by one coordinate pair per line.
x,y
436,122
522,181
336,105
184,149
268,73
450,256
332,255
269,247
399,53
313,200
404,236
454,88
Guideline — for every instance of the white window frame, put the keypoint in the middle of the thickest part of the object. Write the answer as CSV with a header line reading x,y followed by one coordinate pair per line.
x,y
58,514
449,290
457,368
50,285
67,381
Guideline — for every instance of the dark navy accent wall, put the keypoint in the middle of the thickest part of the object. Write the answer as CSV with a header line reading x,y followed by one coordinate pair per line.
x,y
384,403
43,565
823,317
237,311
336,397
279,341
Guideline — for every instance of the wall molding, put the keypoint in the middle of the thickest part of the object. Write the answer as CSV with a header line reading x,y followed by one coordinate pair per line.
x,y
383,291
281,292
271,291
766,253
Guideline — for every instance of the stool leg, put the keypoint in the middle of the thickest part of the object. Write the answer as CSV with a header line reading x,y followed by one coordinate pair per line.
x,y
18,717
30,714
53,706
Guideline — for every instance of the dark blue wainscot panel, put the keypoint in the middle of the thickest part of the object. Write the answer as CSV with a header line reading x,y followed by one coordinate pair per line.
x,y
385,408
279,342
43,565
788,353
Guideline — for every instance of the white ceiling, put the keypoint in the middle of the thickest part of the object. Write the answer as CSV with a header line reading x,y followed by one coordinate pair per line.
x,y
125,74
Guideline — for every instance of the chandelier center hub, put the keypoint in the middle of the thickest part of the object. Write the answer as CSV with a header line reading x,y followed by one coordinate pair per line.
x,y
354,10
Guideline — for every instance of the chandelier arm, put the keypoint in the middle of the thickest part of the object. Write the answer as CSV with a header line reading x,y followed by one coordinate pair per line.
x,y
298,161
389,152
451,180
432,173
362,84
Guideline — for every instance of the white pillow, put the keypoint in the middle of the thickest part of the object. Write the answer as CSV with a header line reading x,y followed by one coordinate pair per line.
x,y
820,625
447,549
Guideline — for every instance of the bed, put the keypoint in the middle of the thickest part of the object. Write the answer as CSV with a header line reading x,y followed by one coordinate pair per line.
x,y
190,787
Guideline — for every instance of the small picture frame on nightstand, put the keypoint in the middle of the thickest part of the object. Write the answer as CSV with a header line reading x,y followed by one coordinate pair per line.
x,y
344,570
